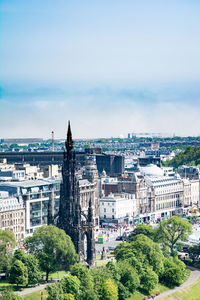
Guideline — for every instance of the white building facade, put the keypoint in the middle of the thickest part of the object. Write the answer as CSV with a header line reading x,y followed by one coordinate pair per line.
x,y
117,208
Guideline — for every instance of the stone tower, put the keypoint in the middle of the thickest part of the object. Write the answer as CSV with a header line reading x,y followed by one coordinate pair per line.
x,y
70,216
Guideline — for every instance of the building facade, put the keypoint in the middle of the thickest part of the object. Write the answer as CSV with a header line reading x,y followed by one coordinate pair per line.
x,y
12,216
117,209
36,195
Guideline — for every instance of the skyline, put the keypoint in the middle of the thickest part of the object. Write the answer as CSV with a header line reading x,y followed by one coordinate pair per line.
x,y
111,68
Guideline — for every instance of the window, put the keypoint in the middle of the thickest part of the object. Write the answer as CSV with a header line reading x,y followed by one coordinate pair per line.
x,y
104,216
113,210
104,209
113,217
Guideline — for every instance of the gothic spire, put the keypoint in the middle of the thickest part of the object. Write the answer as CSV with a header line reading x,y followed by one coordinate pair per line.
x,y
69,141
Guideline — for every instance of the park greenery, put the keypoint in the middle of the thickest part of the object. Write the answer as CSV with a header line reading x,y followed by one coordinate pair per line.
x,y
168,233
190,157
7,245
147,259
53,249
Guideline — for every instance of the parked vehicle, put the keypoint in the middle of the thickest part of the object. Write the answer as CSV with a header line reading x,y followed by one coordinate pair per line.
x,y
119,238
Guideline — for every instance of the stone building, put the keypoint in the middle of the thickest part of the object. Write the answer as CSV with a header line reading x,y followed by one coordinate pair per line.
x,y
117,209
158,196
12,216
89,188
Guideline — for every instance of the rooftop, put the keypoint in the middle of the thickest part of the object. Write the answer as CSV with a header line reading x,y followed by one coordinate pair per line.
x,y
27,183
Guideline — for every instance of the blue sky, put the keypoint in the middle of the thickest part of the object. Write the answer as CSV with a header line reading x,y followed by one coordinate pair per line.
x,y
111,66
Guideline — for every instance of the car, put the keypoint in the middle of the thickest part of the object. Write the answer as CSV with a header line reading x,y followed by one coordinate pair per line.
x,y
119,238
111,248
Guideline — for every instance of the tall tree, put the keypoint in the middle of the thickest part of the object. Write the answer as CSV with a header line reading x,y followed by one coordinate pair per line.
x,y
174,271
71,285
53,248
141,250
110,290
31,263
173,230
55,291
129,277
8,294
18,273
7,244
142,229
149,279
86,280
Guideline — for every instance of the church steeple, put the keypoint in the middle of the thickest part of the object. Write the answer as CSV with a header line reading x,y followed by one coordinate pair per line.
x,y
69,141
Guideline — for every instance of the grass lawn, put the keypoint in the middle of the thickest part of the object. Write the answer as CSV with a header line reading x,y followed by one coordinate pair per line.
x,y
56,275
35,295
100,263
139,295
191,292
160,289
5,284
98,256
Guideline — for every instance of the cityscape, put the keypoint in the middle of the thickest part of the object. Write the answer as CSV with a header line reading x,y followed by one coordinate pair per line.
x,y
99,150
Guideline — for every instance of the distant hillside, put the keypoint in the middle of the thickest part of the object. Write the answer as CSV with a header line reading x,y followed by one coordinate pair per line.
x,y
191,156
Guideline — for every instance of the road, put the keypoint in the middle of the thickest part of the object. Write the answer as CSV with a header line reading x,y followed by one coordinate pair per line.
x,y
109,239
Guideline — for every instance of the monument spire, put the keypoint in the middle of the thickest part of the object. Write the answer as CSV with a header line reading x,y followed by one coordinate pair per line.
x,y
70,216
69,141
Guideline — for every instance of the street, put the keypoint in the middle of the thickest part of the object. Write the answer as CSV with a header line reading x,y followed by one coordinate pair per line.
x,y
109,238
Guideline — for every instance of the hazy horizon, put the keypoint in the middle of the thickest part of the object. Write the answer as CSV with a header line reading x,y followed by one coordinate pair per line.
x,y
111,67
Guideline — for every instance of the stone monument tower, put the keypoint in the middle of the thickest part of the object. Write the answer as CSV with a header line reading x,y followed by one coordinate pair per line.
x,y
70,217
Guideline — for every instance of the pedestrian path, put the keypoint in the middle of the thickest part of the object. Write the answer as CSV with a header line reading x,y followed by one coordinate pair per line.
x,y
194,275
34,289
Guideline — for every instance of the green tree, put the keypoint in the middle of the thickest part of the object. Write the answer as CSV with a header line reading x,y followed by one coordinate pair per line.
x,y
31,263
99,276
123,292
8,294
69,297
141,251
86,280
194,252
191,155
173,230
149,279
150,251
110,290
174,271
129,276
71,285
136,264
114,270
52,247
55,291
7,240
18,273
146,230
7,244
123,251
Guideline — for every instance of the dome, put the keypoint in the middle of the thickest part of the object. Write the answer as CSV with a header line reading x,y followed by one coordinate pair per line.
x,y
177,176
104,173
152,170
